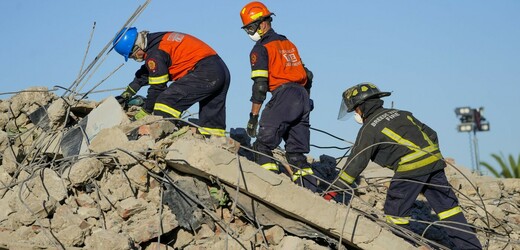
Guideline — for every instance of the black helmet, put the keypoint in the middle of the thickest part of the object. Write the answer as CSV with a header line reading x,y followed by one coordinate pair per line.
x,y
356,95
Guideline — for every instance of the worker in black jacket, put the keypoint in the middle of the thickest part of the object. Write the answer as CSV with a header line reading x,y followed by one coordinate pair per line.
x,y
396,139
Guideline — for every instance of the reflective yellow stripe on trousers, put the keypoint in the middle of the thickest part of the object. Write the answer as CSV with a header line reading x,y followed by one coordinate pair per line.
x,y
450,212
347,178
212,131
301,173
270,166
397,220
167,109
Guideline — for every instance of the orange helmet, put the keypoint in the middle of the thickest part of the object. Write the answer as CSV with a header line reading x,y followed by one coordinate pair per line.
x,y
253,11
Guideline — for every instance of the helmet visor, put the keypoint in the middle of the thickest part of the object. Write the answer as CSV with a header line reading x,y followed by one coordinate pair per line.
x,y
343,113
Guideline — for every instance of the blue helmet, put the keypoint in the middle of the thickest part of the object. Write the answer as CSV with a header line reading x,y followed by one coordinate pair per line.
x,y
125,45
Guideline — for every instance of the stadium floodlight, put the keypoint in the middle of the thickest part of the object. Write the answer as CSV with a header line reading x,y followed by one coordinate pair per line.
x,y
463,111
465,127
472,120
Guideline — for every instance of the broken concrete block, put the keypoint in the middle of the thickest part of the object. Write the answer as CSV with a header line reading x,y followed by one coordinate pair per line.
x,y
5,208
274,235
117,186
104,239
83,170
511,185
88,212
146,226
139,176
11,159
130,206
107,115
49,184
183,239
4,119
56,113
72,235
65,216
84,200
5,180
489,188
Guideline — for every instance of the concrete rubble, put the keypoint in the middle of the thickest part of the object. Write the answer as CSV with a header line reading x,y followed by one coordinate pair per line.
x,y
81,175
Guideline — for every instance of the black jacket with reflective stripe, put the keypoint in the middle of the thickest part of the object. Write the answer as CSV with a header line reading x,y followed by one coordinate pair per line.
x,y
397,140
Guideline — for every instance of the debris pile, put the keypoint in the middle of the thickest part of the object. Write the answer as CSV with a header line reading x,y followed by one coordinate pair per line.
x,y
81,175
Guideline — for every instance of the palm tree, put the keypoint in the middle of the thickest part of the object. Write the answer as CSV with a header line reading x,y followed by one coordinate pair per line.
x,y
508,171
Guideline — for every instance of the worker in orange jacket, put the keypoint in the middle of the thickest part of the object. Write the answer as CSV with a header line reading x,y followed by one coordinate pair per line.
x,y
197,73
276,67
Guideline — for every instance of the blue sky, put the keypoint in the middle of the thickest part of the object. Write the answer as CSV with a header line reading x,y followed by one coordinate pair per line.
x,y
433,55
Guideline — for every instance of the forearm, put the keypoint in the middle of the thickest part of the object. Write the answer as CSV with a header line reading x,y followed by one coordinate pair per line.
x,y
255,108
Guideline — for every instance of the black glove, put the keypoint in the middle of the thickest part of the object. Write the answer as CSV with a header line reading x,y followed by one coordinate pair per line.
x,y
123,98
311,103
252,124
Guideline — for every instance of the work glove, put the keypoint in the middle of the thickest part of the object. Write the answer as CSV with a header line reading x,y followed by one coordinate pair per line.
x,y
123,98
140,114
252,124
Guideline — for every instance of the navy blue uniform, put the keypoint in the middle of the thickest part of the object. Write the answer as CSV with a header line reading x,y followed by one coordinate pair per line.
x,y
397,140
198,75
286,115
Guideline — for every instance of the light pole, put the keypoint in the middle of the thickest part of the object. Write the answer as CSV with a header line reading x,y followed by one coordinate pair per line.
x,y
472,120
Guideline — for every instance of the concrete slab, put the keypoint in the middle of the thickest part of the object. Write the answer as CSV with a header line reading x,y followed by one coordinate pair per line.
x,y
281,193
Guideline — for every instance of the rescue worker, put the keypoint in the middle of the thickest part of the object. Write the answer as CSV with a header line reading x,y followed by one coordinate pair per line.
x,y
397,140
277,68
197,71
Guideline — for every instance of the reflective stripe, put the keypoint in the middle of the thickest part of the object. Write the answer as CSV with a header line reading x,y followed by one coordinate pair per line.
x,y
166,109
301,173
426,138
450,212
419,164
397,220
418,154
128,88
159,79
417,151
394,136
259,73
347,178
270,166
212,131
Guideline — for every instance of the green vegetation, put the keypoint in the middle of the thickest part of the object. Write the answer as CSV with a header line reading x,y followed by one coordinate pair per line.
x,y
511,170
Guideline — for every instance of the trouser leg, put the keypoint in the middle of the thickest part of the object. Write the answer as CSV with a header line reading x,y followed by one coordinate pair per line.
x,y
303,175
208,84
212,109
275,121
400,198
445,203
